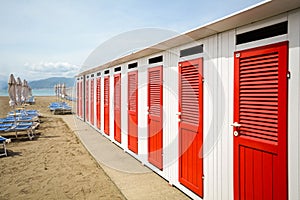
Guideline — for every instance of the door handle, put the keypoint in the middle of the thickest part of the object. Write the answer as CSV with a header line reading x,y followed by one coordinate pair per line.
x,y
235,133
235,124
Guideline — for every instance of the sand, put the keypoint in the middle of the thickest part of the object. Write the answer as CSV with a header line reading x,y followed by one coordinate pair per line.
x,y
54,165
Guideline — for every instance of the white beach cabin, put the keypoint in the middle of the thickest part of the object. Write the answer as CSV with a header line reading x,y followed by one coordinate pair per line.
x,y
214,111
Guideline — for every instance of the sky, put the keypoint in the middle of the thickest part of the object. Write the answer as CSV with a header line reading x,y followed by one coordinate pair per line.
x,y
41,39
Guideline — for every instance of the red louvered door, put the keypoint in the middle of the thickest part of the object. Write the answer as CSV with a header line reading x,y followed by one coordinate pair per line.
x,y
106,105
155,102
117,108
98,103
80,98
79,101
191,125
87,100
260,128
92,102
77,97
133,111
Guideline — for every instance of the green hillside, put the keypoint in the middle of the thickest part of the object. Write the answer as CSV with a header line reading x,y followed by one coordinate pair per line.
x,y
44,83
50,82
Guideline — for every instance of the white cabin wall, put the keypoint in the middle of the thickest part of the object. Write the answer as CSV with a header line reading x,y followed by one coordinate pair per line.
x,y
209,118
218,114
88,116
142,110
170,119
293,105
102,103
218,73
94,99
124,108
225,87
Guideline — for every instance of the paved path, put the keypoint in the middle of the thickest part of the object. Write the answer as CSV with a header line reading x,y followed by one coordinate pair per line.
x,y
133,179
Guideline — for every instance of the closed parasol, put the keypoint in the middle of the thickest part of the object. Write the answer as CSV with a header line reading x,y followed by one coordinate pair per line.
x,y
19,91
12,90
24,91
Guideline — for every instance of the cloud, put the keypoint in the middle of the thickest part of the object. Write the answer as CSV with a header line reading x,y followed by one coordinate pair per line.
x,y
64,69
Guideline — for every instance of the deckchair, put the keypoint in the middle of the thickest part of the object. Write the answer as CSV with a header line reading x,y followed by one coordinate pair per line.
x,y
56,105
3,140
29,127
7,120
30,101
60,108
10,119
22,112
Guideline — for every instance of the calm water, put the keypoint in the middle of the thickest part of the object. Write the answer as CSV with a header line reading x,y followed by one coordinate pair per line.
x,y
35,92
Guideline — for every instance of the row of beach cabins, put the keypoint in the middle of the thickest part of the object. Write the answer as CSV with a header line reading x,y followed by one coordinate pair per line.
x,y
214,111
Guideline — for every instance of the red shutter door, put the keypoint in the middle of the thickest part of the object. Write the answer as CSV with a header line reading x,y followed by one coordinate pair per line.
x,y
155,102
77,98
80,98
92,102
106,105
87,100
133,111
117,108
260,128
191,125
98,103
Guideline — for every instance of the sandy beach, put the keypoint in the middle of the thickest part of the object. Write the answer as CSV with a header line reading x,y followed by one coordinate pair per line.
x,y
54,165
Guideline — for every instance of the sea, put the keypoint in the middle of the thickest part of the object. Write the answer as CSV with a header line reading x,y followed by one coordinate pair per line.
x,y
35,92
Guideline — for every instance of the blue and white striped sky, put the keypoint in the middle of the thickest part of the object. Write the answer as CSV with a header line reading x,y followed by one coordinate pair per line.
x,y
40,39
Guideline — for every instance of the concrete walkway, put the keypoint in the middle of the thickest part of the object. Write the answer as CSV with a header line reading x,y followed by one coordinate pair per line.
x,y
133,179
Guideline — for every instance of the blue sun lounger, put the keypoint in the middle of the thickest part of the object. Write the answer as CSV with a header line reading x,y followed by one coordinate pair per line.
x,y
2,142
11,119
30,101
29,127
60,108
22,112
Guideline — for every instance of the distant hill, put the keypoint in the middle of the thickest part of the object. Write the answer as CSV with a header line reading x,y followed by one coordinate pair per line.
x,y
43,83
50,82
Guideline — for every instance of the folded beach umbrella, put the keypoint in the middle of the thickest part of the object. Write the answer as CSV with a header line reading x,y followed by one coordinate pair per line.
x,y
55,89
12,90
58,90
19,91
24,91
63,90
29,91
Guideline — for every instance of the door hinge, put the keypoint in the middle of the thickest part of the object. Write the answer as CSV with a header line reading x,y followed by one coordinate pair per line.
x,y
203,80
203,177
288,75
